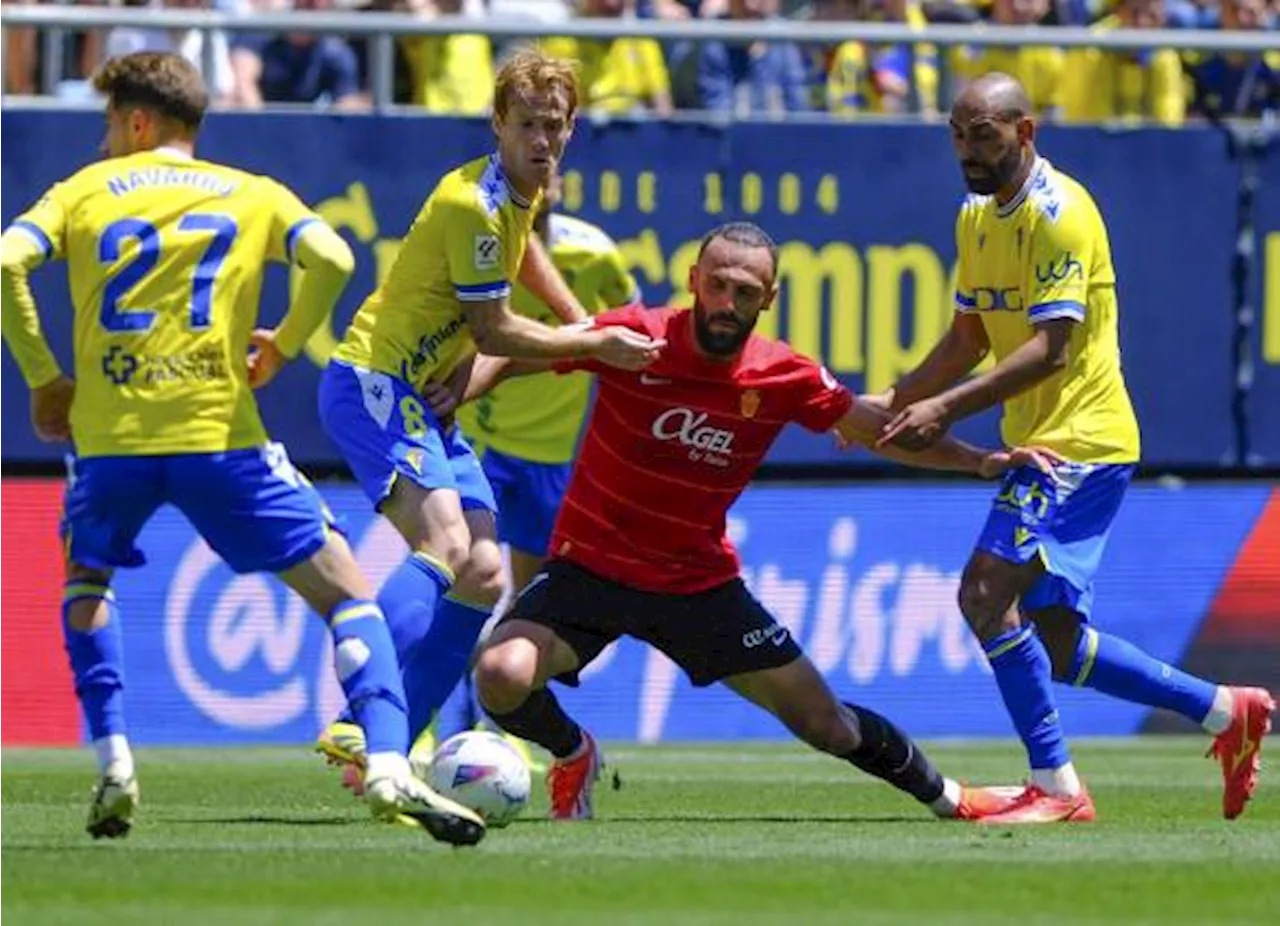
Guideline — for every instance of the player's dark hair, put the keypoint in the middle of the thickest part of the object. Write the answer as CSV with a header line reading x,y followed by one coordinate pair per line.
x,y
747,233
160,81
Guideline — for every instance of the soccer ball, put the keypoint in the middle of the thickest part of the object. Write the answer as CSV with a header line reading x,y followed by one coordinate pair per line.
x,y
482,771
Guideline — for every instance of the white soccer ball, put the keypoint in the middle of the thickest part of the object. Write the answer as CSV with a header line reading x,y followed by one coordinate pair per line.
x,y
482,771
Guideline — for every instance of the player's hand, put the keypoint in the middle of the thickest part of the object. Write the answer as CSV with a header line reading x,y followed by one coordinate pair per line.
x,y
917,427
265,359
51,409
1000,461
626,349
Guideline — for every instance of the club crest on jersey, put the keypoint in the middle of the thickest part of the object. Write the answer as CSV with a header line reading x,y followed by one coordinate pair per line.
x,y
749,404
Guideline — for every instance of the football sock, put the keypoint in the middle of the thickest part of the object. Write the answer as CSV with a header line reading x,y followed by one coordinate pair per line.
x,y
365,660
435,664
1024,675
889,754
541,719
1118,668
408,600
97,666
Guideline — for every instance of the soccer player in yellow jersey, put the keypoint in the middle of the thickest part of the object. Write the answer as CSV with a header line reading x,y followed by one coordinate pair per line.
x,y
1037,289
165,258
526,429
447,294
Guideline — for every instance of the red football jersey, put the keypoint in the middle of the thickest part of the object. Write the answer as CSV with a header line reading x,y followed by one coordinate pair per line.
x,y
669,449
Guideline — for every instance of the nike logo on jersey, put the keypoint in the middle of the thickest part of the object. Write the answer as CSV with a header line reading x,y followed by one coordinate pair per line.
x,y
647,380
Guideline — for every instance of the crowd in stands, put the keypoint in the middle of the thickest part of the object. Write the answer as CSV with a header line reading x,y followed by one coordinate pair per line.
x,y
630,76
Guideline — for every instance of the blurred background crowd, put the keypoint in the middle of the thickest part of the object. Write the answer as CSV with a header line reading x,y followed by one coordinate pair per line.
x,y
628,76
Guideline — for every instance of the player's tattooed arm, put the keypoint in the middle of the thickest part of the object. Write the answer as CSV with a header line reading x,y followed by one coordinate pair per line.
x,y
922,423
862,425
540,277
500,332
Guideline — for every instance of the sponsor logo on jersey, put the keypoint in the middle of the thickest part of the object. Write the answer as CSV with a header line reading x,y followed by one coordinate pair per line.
x,y
706,443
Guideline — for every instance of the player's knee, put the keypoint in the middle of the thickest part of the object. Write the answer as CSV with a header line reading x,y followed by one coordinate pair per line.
x,y
984,604
86,615
481,576
1060,633
505,675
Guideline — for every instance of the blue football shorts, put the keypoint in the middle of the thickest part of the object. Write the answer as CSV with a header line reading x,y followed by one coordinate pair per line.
x,y
529,496
251,506
386,432
1065,523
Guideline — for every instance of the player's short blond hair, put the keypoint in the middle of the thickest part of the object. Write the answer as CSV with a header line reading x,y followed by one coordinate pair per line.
x,y
531,71
161,81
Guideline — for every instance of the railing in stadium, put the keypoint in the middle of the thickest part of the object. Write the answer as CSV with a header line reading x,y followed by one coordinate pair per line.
x,y
383,28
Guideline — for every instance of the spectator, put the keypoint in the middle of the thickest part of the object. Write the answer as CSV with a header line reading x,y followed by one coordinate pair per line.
x,y
617,76
878,79
1039,68
1242,85
761,78
1129,86
450,74
189,43
296,67
20,56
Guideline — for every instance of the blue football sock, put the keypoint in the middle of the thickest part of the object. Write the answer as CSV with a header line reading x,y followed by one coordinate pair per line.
x,y
1023,672
365,660
1118,668
438,661
97,661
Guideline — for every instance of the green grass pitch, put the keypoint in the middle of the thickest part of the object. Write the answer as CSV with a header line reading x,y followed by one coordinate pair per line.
x,y
743,834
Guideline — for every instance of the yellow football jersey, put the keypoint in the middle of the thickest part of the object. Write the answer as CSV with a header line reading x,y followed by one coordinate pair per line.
x,y
465,245
1045,255
165,258
538,418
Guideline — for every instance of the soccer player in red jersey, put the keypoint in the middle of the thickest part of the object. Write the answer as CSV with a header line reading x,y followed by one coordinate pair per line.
x,y
640,546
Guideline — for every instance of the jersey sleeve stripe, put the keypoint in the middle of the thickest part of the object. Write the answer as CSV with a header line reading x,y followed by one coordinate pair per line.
x,y
965,303
482,292
1063,308
36,233
291,236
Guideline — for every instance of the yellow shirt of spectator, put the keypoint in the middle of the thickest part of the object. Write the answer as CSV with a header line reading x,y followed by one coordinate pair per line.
x,y
451,73
466,245
538,418
1111,85
1038,68
616,76
851,87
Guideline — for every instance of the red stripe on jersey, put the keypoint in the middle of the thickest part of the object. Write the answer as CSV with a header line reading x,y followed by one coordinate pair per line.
x,y
669,450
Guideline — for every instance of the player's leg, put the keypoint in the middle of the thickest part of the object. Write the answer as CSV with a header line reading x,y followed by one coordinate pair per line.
x,y
397,451
108,501
999,572
1059,604
726,635
261,515
561,620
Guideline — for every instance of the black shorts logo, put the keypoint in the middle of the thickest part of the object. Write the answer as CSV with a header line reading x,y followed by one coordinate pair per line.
x,y
774,634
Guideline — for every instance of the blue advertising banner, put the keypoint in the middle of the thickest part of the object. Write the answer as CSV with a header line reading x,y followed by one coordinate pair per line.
x,y
864,216
865,578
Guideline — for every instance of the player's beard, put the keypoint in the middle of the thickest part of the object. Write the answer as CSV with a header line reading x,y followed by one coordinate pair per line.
x,y
720,343
997,176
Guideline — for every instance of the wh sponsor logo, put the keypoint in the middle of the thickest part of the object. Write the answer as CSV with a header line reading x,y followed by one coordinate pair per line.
x,y
706,443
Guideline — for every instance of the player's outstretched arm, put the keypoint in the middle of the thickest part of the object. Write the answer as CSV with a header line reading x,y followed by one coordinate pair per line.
x,y
51,392
960,350
923,422
540,276
863,423
327,264
500,332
